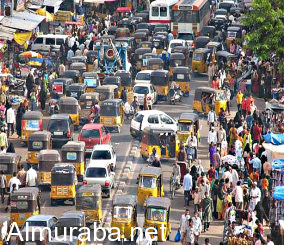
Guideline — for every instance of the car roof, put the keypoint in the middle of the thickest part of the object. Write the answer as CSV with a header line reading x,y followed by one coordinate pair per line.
x,y
142,84
177,41
102,147
98,164
59,116
40,217
150,112
145,71
93,126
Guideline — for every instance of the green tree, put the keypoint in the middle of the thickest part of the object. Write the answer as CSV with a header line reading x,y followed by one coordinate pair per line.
x,y
266,24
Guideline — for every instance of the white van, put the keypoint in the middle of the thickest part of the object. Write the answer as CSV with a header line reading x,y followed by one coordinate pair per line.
x,y
44,42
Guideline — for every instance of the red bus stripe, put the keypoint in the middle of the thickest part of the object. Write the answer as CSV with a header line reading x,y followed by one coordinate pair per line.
x,y
159,21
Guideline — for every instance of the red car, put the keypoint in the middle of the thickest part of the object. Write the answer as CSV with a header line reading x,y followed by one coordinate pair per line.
x,y
93,134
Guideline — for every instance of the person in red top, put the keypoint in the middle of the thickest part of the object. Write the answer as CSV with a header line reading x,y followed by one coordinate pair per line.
x,y
215,83
244,108
248,101
212,172
256,133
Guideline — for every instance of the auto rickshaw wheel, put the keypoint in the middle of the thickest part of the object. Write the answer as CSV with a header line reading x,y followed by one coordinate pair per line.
x,y
53,202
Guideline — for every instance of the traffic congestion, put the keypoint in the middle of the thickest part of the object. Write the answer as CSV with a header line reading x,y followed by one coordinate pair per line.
x,y
157,123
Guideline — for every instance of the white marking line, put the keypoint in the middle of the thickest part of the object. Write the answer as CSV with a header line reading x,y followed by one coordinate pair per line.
x,y
116,143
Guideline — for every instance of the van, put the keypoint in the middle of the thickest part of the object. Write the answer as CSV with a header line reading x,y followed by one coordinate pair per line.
x,y
44,42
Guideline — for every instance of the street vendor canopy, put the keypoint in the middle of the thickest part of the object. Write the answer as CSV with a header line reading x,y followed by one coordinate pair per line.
x,y
22,37
273,151
278,193
278,164
275,139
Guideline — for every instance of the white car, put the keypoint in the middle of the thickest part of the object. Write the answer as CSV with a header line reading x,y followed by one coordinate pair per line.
x,y
142,89
104,153
143,76
150,118
175,43
100,173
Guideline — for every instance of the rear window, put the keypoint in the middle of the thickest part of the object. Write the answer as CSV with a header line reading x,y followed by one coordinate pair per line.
x,y
59,41
96,173
39,40
90,133
50,41
58,125
139,118
185,36
143,76
36,223
101,155
141,90
176,45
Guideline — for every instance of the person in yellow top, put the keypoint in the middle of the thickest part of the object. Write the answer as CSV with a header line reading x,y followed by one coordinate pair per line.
x,y
239,100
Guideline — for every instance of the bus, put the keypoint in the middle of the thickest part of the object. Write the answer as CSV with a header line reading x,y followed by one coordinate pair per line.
x,y
190,15
161,11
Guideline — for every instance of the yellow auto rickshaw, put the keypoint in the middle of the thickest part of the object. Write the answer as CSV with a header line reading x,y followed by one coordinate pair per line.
x,y
157,215
91,56
157,138
126,80
75,90
124,215
79,66
106,92
138,56
224,59
184,50
63,183
38,141
71,223
114,80
86,101
70,106
200,60
176,60
74,152
181,76
89,200
204,98
150,183
91,80
25,203
4,229
155,64
160,79
73,74
214,47
112,114
9,163
233,33
188,123
47,160
145,58
60,85
31,122
160,42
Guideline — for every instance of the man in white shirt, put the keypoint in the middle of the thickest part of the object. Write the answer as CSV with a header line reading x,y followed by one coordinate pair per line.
x,y
255,195
184,218
196,225
10,120
228,175
31,178
72,41
192,142
187,186
212,136
269,242
78,53
70,54
238,193
221,135
14,180
212,118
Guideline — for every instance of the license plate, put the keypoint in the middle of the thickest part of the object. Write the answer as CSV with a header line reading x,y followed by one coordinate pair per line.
x,y
58,133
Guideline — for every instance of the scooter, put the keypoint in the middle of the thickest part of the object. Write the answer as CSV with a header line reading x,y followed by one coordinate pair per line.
x,y
53,107
129,111
175,95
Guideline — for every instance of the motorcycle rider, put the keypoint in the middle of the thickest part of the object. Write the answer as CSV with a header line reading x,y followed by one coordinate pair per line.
x,y
54,98
135,104
154,159
95,111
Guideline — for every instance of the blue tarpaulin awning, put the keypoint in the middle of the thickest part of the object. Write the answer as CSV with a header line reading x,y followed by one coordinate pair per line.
x,y
278,193
275,139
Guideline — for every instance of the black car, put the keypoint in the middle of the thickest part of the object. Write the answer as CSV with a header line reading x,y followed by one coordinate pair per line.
x,y
61,128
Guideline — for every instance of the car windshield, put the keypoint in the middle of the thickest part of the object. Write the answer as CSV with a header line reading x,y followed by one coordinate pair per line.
x,y
173,45
97,155
57,125
185,36
156,214
141,90
197,56
143,76
90,133
122,212
36,223
185,126
96,173
147,182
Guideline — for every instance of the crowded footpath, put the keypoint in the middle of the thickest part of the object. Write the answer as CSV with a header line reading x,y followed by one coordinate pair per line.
x,y
208,164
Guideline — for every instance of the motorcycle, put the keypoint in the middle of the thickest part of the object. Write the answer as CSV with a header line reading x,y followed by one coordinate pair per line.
x,y
53,107
175,95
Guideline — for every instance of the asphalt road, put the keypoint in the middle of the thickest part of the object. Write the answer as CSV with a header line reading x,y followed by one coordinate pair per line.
x,y
122,143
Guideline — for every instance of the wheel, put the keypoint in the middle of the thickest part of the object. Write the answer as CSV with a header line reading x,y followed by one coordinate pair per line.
x,y
74,201
53,202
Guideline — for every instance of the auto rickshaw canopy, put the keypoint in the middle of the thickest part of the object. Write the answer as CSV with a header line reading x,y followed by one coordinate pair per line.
x,y
125,200
177,59
74,74
139,53
155,64
143,25
74,146
209,31
91,54
76,87
149,56
105,92
161,33
181,49
47,159
87,197
89,97
40,136
25,193
199,91
123,32
216,45
80,66
188,116
112,30
150,171
71,219
32,115
145,44
64,240
159,74
125,77
154,134
201,41
9,162
158,202
234,31
92,190
78,59
68,101
112,80
181,74
63,174
111,107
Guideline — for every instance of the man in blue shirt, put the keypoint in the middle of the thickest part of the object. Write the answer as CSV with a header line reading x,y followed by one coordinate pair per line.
x,y
249,120
187,186
170,37
256,163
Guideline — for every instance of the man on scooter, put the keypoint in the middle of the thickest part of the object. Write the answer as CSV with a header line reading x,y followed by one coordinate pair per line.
x,y
154,159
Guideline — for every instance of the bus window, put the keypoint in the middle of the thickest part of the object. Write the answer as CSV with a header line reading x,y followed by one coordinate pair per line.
x,y
178,16
163,11
155,11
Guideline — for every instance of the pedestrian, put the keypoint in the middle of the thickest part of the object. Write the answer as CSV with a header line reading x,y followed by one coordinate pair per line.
x,y
20,112
212,137
206,241
42,98
3,140
61,69
14,188
187,186
214,194
10,118
12,181
197,226
3,183
70,54
238,193
199,167
22,175
228,98
212,118
207,207
255,196
196,199
212,150
31,177
145,103
11,148
29,84
33,96
183,221
203,189
188,234
210,74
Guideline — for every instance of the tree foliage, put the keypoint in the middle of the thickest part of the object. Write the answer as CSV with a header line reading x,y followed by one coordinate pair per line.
x,y
266,28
